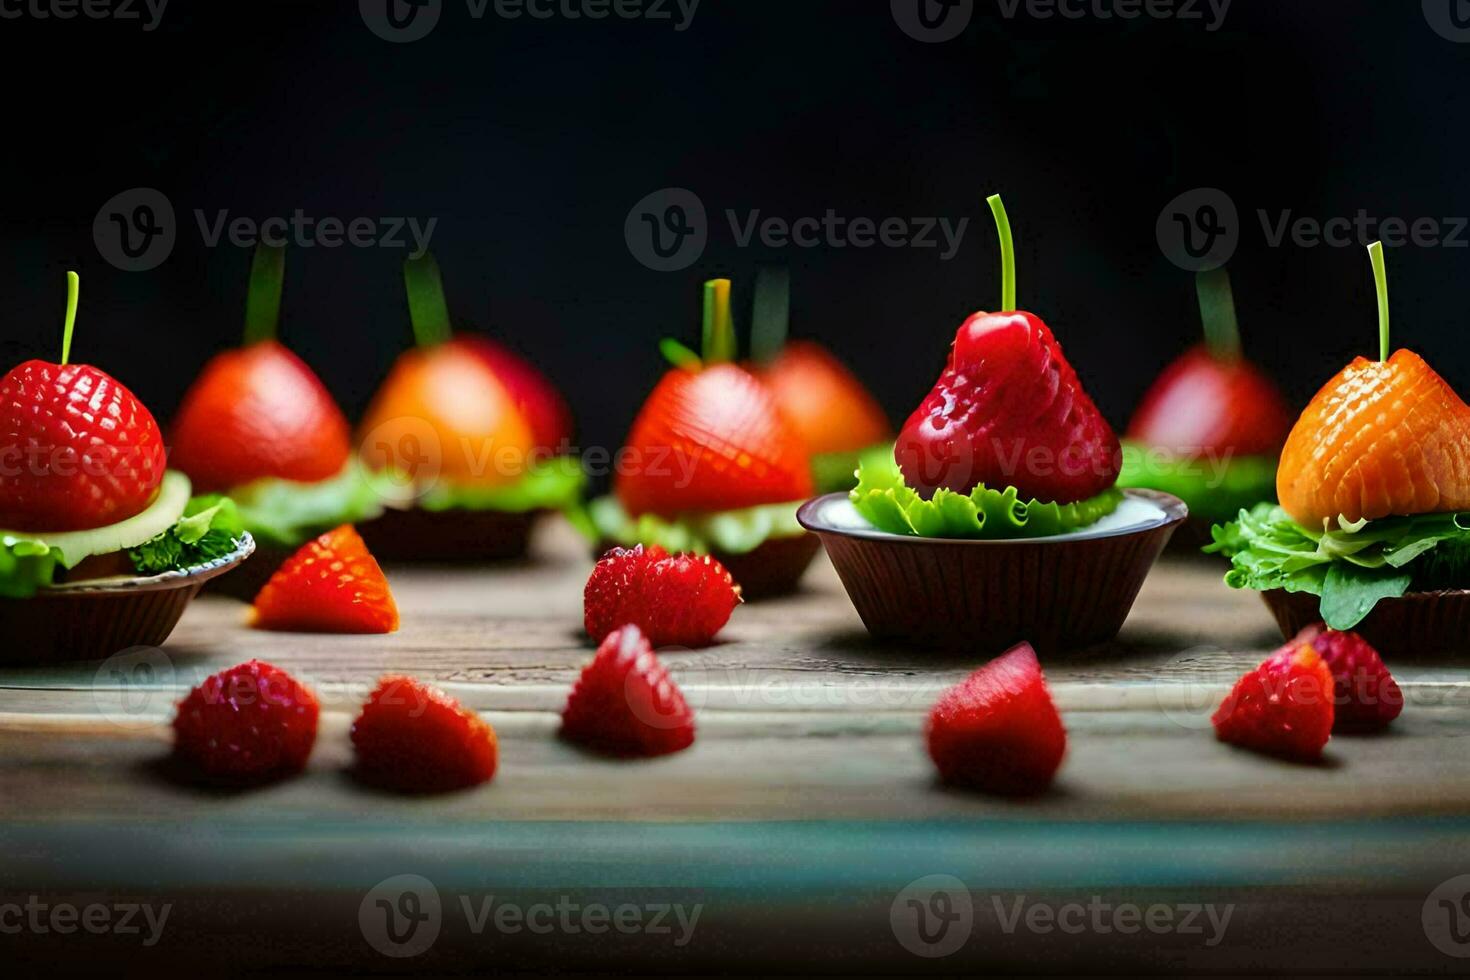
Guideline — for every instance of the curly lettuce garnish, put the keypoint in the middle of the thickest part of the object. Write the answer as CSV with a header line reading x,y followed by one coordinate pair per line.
x,y
1214,489
891,505
210,528
286,514
732,532
1350,568
556,484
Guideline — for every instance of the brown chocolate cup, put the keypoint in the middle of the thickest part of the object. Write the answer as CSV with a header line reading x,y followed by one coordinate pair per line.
x,y
1420,625
1060,594
773,569
94,620
401,536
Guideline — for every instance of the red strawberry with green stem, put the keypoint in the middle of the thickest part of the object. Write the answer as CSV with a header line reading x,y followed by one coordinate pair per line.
x,y
1008,410
79,450
259,412
710,437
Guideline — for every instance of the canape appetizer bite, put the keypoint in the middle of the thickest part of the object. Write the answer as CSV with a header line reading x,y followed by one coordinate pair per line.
x,y
837,418
102,546
997,519
712,466
475,433
1212,425
1373,529
259,425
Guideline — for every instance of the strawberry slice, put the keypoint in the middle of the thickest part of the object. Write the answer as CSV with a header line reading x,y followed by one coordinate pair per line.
x,y
998,730
258,412
80,450
679,600
331,585
625,703
1366,698
416,739
253,721
1282,708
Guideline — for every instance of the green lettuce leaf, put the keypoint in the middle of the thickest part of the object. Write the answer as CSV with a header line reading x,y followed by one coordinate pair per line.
x,y
1351,567
286,514
210,528
553,485
832,472
1214,490
734,532
890,505
25,566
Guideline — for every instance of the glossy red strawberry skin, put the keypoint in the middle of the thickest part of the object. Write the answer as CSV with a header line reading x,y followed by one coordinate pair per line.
x,y
625,703
78,450
1282,708
711,440
998,731
1366,698
676,600
253,721
413,738
538,401
255,413
1009,410
1202,403
332,584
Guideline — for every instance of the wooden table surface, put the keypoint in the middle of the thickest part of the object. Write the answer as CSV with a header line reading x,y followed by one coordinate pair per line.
x,y
806,804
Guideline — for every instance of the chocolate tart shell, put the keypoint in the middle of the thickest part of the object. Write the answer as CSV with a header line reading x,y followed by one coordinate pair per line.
x,y
1059,594
401,536
1420,625
94,620
773,569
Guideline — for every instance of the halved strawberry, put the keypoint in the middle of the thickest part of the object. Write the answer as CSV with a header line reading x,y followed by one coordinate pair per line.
x,y
253,721
414,738
1366,698
625,703
679,600
998,730
1283,707
258,412
331,585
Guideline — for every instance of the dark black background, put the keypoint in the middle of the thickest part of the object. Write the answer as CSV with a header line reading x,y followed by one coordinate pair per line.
x,y
530,141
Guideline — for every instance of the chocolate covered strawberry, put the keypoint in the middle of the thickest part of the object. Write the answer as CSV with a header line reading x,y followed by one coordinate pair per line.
x,y
1008,410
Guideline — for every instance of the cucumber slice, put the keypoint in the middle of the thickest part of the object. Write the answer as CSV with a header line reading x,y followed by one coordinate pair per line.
x,y
165,511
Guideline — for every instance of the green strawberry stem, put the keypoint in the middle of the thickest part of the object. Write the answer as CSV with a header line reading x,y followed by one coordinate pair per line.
x,y
1217,310
1380,282
73,293
718,341
1007,254
427,307
678,355
263,298
771,317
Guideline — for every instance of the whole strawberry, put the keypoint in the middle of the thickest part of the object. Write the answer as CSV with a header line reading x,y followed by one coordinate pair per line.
x,y
79,450
251,722
998,730
625,703
1282,708
416,739
1366,698
678,600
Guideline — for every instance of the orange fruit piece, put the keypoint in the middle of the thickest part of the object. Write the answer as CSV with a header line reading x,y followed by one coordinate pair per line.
x,y
1383,438
331,585
442,413
258,412
829,408
711,440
